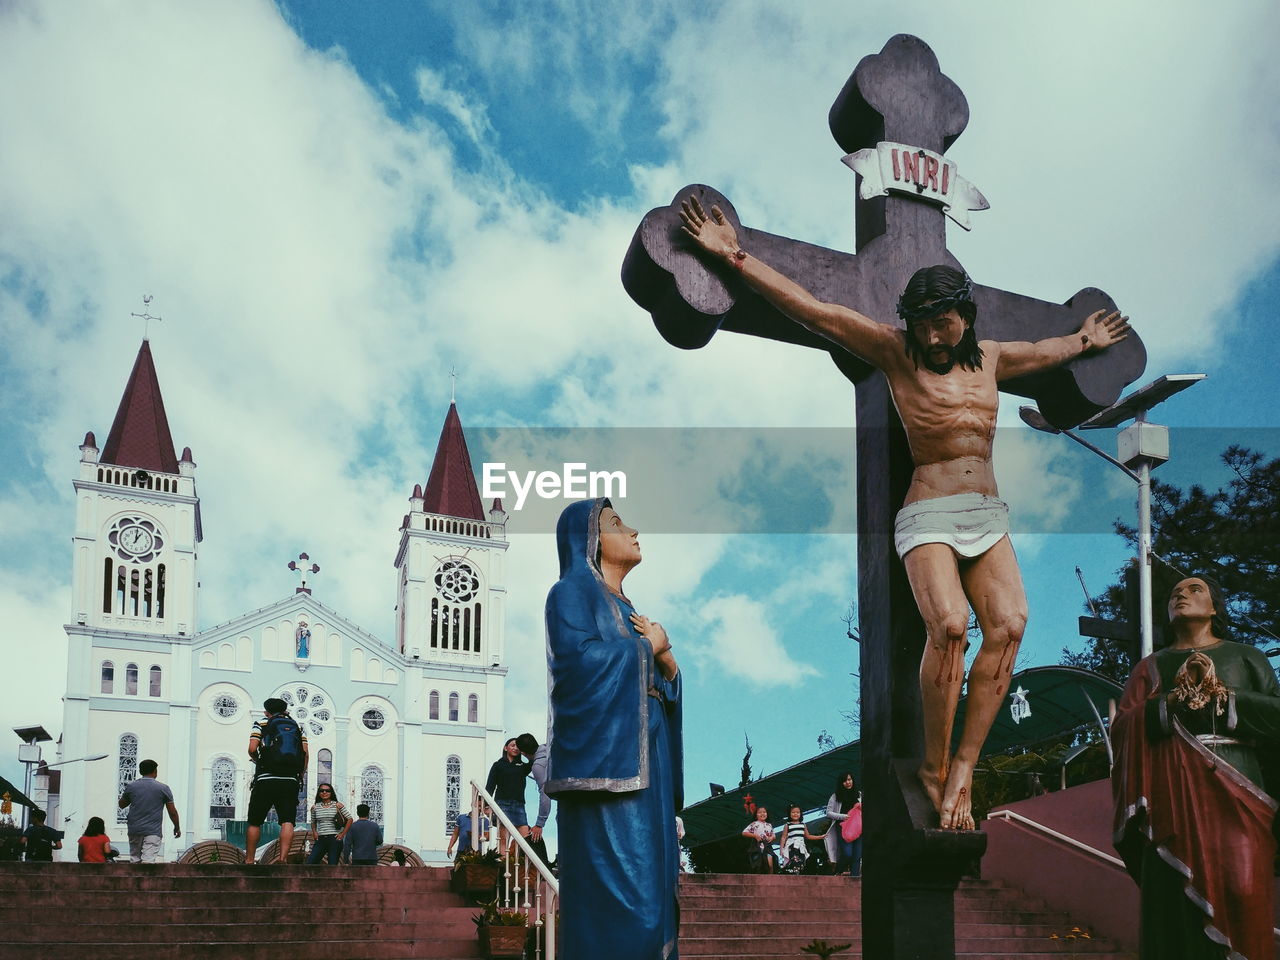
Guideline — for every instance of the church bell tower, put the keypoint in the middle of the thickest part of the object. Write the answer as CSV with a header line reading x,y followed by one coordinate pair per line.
x,y
451,591
137,520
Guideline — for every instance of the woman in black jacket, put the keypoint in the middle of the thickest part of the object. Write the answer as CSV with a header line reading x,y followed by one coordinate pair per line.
x,y
506,786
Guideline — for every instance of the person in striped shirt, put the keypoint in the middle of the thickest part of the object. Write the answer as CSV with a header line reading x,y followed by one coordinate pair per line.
x,y
329,820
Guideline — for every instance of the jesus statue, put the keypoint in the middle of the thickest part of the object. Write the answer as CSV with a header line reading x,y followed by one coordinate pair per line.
x,y
953,530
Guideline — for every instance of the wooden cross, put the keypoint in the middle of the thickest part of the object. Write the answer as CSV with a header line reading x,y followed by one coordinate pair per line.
x,y
899,95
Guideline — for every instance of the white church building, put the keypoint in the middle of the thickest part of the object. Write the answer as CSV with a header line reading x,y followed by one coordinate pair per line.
x,y
403,726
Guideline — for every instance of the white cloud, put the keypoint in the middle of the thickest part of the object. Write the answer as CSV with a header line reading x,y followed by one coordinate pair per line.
x,y
470,115
737,638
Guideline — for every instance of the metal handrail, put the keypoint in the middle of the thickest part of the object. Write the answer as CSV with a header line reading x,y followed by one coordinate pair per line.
x,y
1019,818
1094,851
520,875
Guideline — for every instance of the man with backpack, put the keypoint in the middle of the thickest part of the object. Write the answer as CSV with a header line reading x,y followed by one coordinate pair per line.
x,y
278,747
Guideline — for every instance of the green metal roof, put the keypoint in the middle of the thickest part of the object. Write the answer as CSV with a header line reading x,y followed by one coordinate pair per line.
x,y
1060,699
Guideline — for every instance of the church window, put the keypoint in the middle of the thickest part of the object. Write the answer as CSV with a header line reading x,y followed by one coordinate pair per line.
x,y
373,719
473,709
466,628
108,676
452,792
475,637
324,767
133,598
222,792
433,705
119,605
435,622
126,769
310,707
456,581
225,705
148,591
304,802
160,591
108,574
317,721
155,681
131,680
453,706
371,792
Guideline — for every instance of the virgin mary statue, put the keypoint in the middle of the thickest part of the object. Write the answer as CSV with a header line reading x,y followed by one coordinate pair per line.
x,y
615,758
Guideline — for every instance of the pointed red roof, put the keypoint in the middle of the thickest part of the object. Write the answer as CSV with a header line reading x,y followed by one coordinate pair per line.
x,y
140,433
451,488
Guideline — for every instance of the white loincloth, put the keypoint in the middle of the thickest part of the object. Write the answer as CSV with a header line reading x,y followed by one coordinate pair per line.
x,y
969,523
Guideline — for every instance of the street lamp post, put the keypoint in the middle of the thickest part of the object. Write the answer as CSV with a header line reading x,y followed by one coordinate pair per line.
x,y
1140,446
31,736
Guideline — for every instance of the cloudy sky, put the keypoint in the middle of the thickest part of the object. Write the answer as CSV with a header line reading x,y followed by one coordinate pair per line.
x,y
335,204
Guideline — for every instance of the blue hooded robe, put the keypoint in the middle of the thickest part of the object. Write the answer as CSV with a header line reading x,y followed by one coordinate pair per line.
x,y
615,763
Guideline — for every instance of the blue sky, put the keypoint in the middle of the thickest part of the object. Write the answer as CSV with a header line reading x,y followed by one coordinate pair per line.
x,y
334,204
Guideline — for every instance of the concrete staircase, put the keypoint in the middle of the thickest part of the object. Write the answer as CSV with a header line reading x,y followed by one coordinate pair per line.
x,y
70,911
733,917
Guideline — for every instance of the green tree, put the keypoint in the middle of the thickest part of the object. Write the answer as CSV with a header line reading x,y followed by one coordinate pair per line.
x,y
1231,535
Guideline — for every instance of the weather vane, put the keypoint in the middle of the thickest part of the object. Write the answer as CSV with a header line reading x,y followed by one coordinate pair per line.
x,y
146,317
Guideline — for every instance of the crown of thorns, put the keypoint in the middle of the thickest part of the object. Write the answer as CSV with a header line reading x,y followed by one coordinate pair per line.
x,y
935,307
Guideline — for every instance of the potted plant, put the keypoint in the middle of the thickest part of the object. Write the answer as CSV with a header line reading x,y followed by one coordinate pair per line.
x,y
503,932
476,874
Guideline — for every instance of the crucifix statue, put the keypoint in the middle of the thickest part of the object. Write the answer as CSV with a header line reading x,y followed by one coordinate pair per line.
x,y
927,350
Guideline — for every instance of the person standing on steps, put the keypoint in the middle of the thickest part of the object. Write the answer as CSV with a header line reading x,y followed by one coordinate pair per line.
x,y
146,798
278,749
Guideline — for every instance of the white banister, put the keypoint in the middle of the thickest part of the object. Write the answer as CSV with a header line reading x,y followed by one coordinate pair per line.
x,y
527,883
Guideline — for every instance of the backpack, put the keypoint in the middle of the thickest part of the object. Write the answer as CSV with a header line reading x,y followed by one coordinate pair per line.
x,y
281,748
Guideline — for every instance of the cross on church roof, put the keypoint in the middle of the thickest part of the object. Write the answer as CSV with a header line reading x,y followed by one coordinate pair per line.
x,y
145,316
301,568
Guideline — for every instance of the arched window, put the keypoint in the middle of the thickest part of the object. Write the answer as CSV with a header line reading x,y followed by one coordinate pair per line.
x,y
473,709
155,681
126,769
453,707
108,677
222,792
160,591
433,705
371,792
452,792
304,801
108,575
324,767
131,679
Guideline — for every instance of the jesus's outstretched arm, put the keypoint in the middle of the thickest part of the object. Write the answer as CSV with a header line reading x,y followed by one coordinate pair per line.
x,y
877,343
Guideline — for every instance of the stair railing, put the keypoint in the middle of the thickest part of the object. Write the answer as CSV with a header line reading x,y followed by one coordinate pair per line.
x,y
527,883
1049,831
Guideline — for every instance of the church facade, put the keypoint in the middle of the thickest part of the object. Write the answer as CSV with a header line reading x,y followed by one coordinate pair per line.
x,y
403,725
